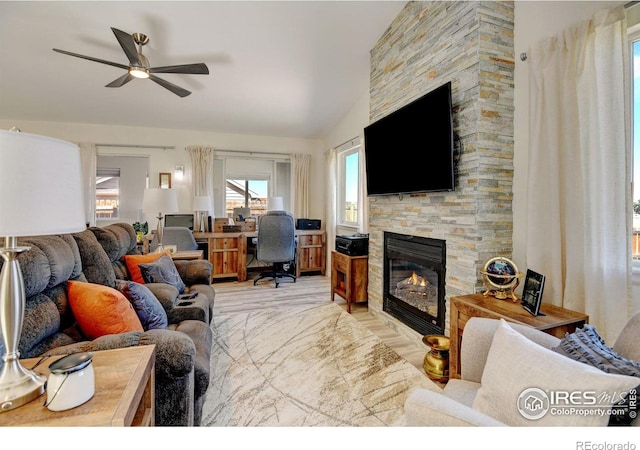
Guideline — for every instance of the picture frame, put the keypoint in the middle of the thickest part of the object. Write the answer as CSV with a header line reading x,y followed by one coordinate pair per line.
x,y
172,248
164,180
532,293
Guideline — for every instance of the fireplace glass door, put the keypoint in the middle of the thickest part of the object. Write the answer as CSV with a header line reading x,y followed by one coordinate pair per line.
x,y
415,285
414,271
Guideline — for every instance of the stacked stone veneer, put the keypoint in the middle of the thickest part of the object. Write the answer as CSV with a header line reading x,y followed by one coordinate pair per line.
x,y
471,45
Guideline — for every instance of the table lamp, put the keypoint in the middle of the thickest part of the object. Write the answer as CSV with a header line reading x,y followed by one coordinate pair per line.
x,y
40,193
159,200
202,204
275,204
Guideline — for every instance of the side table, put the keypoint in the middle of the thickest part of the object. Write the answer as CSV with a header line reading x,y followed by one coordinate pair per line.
x,y
124,393
557,321
349,277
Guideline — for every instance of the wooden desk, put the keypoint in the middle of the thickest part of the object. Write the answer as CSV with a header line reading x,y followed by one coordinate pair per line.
x,y
556,321
124,393
228,252
187,254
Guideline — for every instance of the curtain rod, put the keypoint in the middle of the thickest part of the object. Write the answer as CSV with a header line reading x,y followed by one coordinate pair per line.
x,y
523,55
251,152
162,147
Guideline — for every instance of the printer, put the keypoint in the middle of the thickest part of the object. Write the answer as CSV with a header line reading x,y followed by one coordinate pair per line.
x,y
353,245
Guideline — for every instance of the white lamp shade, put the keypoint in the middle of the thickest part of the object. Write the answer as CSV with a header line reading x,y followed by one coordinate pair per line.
x,y
40,186
201,203
275,204
157,200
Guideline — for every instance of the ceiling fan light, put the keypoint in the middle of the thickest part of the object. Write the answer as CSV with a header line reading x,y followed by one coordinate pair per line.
x,y
139,72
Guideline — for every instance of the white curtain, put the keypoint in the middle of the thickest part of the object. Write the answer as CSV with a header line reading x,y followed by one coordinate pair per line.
x,y
332,192
300,164
363,200
88,164
578,206
202,172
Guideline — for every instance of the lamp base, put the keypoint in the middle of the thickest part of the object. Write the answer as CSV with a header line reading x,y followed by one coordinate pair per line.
x,y
19,386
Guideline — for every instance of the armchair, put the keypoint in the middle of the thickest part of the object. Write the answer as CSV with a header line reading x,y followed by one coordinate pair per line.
x,y
459,403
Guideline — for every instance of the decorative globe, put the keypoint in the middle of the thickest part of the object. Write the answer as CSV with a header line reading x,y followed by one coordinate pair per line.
x,y
502,267
501,277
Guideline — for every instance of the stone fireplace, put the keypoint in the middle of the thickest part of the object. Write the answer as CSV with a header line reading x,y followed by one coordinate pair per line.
x,y
427,45
414,273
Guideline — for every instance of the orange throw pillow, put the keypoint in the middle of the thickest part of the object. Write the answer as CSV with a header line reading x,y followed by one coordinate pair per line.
x,y
132,262
101,310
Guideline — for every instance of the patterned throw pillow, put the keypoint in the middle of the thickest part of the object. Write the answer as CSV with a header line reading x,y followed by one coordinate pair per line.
x,y
149,310
163,270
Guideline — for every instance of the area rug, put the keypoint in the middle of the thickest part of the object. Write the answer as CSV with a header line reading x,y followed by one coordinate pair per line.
x,y
304,366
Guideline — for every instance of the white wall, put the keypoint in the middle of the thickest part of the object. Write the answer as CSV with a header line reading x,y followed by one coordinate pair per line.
x,y
166,160
535,21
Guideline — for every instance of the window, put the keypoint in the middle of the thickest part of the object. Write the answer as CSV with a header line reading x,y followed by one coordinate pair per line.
x,y
252,194
349,185
107,193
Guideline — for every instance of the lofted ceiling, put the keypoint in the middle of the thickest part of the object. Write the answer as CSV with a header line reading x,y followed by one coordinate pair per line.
x,y
289,68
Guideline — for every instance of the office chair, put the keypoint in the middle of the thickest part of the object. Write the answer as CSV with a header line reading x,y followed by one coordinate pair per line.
x,y
181,237
276,244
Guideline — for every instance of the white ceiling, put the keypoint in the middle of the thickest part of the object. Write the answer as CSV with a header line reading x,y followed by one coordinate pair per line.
x,y
291,68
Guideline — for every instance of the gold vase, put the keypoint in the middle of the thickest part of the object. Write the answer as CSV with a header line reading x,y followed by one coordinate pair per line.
x,y
436,361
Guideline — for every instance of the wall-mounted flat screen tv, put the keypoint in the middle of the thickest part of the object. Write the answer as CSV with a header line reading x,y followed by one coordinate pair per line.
x,y
412,149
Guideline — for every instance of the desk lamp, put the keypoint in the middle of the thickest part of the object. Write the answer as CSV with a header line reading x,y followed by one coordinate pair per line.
x,y
202,204
160,200
40,193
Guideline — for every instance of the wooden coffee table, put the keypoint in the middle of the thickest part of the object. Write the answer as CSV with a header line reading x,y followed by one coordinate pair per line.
x,y
124,393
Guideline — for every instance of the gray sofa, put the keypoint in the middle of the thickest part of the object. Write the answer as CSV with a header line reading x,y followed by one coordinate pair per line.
x,y
182,349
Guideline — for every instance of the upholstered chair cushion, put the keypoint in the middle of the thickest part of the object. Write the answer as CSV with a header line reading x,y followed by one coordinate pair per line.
x,y
95,262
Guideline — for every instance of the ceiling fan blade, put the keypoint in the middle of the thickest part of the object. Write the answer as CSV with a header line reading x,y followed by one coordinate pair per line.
x,y
172,87
90,58
128,45
195,69
124,79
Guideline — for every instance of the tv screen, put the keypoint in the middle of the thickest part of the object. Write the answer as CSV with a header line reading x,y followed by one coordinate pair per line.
x,y
411,149
179,220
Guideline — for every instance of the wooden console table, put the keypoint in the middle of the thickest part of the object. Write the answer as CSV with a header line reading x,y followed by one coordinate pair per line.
x,y
124,393
556,321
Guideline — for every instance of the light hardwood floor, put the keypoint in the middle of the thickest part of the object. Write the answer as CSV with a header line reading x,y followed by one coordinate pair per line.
x,y
234,296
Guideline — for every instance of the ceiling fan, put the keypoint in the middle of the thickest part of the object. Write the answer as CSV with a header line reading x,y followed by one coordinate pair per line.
x,y
139,66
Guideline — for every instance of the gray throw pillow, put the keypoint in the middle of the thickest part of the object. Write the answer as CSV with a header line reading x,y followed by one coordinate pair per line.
x,y
148,308
162,270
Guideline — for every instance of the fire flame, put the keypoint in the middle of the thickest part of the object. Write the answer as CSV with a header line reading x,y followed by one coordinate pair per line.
x,y
416,280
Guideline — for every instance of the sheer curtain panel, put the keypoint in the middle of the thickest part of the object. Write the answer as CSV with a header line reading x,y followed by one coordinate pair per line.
x,y
88,161
202,169
578,188
300,187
